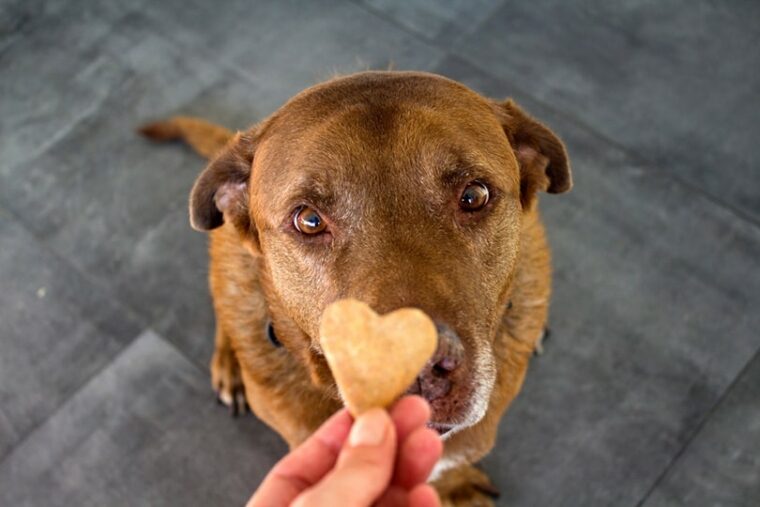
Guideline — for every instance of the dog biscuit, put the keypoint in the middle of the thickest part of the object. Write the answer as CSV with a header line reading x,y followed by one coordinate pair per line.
x,y
373,358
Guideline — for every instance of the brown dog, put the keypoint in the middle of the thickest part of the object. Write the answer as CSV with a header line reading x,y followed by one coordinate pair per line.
x,y
398,189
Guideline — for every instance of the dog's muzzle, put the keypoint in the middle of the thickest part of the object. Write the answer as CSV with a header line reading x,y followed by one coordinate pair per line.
x,y
444,381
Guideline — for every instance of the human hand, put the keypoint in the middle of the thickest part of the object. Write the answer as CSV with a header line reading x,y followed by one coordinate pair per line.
x,y
380,459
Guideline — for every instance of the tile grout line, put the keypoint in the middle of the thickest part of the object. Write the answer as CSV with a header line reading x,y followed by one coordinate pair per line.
x,y
698,430
132,313
647,165
139,320
28,435
31,431
225,64
421,37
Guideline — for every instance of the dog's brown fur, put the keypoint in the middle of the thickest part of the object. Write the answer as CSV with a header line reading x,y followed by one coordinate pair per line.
x,y
369,151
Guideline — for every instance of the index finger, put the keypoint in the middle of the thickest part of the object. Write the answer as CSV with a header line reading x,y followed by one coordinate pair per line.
x,y
306,464
408,414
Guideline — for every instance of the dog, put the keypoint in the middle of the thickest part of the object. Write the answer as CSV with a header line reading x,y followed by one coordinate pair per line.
x,y
398,189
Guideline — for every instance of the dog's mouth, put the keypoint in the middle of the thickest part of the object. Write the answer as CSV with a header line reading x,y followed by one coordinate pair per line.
x,y
441,428
448,384
450,398
456,383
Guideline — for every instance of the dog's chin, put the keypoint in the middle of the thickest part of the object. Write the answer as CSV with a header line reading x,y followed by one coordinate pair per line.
x,y
443,429
468,401
449,415
462,407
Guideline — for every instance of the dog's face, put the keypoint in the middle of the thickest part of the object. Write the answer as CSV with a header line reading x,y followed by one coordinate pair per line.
x,y
396,189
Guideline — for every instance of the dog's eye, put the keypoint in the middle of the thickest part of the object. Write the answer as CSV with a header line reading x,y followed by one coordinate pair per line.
x,y
307,221
474,196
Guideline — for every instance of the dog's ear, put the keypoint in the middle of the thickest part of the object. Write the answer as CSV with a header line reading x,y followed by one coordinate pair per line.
x,y
220,193
542,156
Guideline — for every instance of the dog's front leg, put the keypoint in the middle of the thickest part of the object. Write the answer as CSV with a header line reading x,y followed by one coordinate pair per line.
x,y
465,485
225,375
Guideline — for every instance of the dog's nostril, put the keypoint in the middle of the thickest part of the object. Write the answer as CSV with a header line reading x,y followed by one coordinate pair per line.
x,y
444,366
449,353
439,371
447,363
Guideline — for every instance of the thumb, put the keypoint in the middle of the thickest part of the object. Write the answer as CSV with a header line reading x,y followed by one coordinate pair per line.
x,y
364,467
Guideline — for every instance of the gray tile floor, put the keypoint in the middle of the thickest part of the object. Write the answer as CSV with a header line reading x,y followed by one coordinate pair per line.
x,y
649,393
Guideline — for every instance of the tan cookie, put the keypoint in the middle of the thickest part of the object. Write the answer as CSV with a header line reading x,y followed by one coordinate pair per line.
x,y
374,358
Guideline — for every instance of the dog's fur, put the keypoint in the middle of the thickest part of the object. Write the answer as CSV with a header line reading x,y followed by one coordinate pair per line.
x,y
383,157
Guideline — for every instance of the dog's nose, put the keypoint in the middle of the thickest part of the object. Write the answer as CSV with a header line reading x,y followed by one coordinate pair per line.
x,y
435,379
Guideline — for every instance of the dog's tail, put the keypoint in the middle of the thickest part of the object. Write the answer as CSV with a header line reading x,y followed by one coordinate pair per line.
x,y
204,137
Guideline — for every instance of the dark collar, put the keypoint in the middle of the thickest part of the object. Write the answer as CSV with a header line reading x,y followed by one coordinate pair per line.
x,y
272,336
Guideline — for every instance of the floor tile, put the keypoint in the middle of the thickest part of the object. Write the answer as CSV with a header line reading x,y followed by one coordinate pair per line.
x,y
676,83
95,191
145,431
15,16
652,318
441,22
69,58
722,465
170,262
57,328
287,46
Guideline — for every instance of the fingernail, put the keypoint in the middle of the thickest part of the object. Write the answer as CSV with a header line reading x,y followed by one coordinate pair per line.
x,y
369,428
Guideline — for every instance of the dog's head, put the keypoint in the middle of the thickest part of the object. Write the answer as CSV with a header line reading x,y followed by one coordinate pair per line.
x,y
397,189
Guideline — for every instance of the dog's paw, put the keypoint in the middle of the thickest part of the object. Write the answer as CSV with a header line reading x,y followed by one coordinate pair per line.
x,y
466,486
227,381
543,338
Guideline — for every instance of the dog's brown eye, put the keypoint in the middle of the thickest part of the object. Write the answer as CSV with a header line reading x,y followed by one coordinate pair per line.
x,y
308,221
474,197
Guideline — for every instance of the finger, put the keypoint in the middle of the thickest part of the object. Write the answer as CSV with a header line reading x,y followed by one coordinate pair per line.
x,y
394,496
408,414
416,458
414,463
364,467
423,495
305,465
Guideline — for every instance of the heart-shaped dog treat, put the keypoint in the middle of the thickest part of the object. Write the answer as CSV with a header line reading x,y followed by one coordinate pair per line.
x,y
374,358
